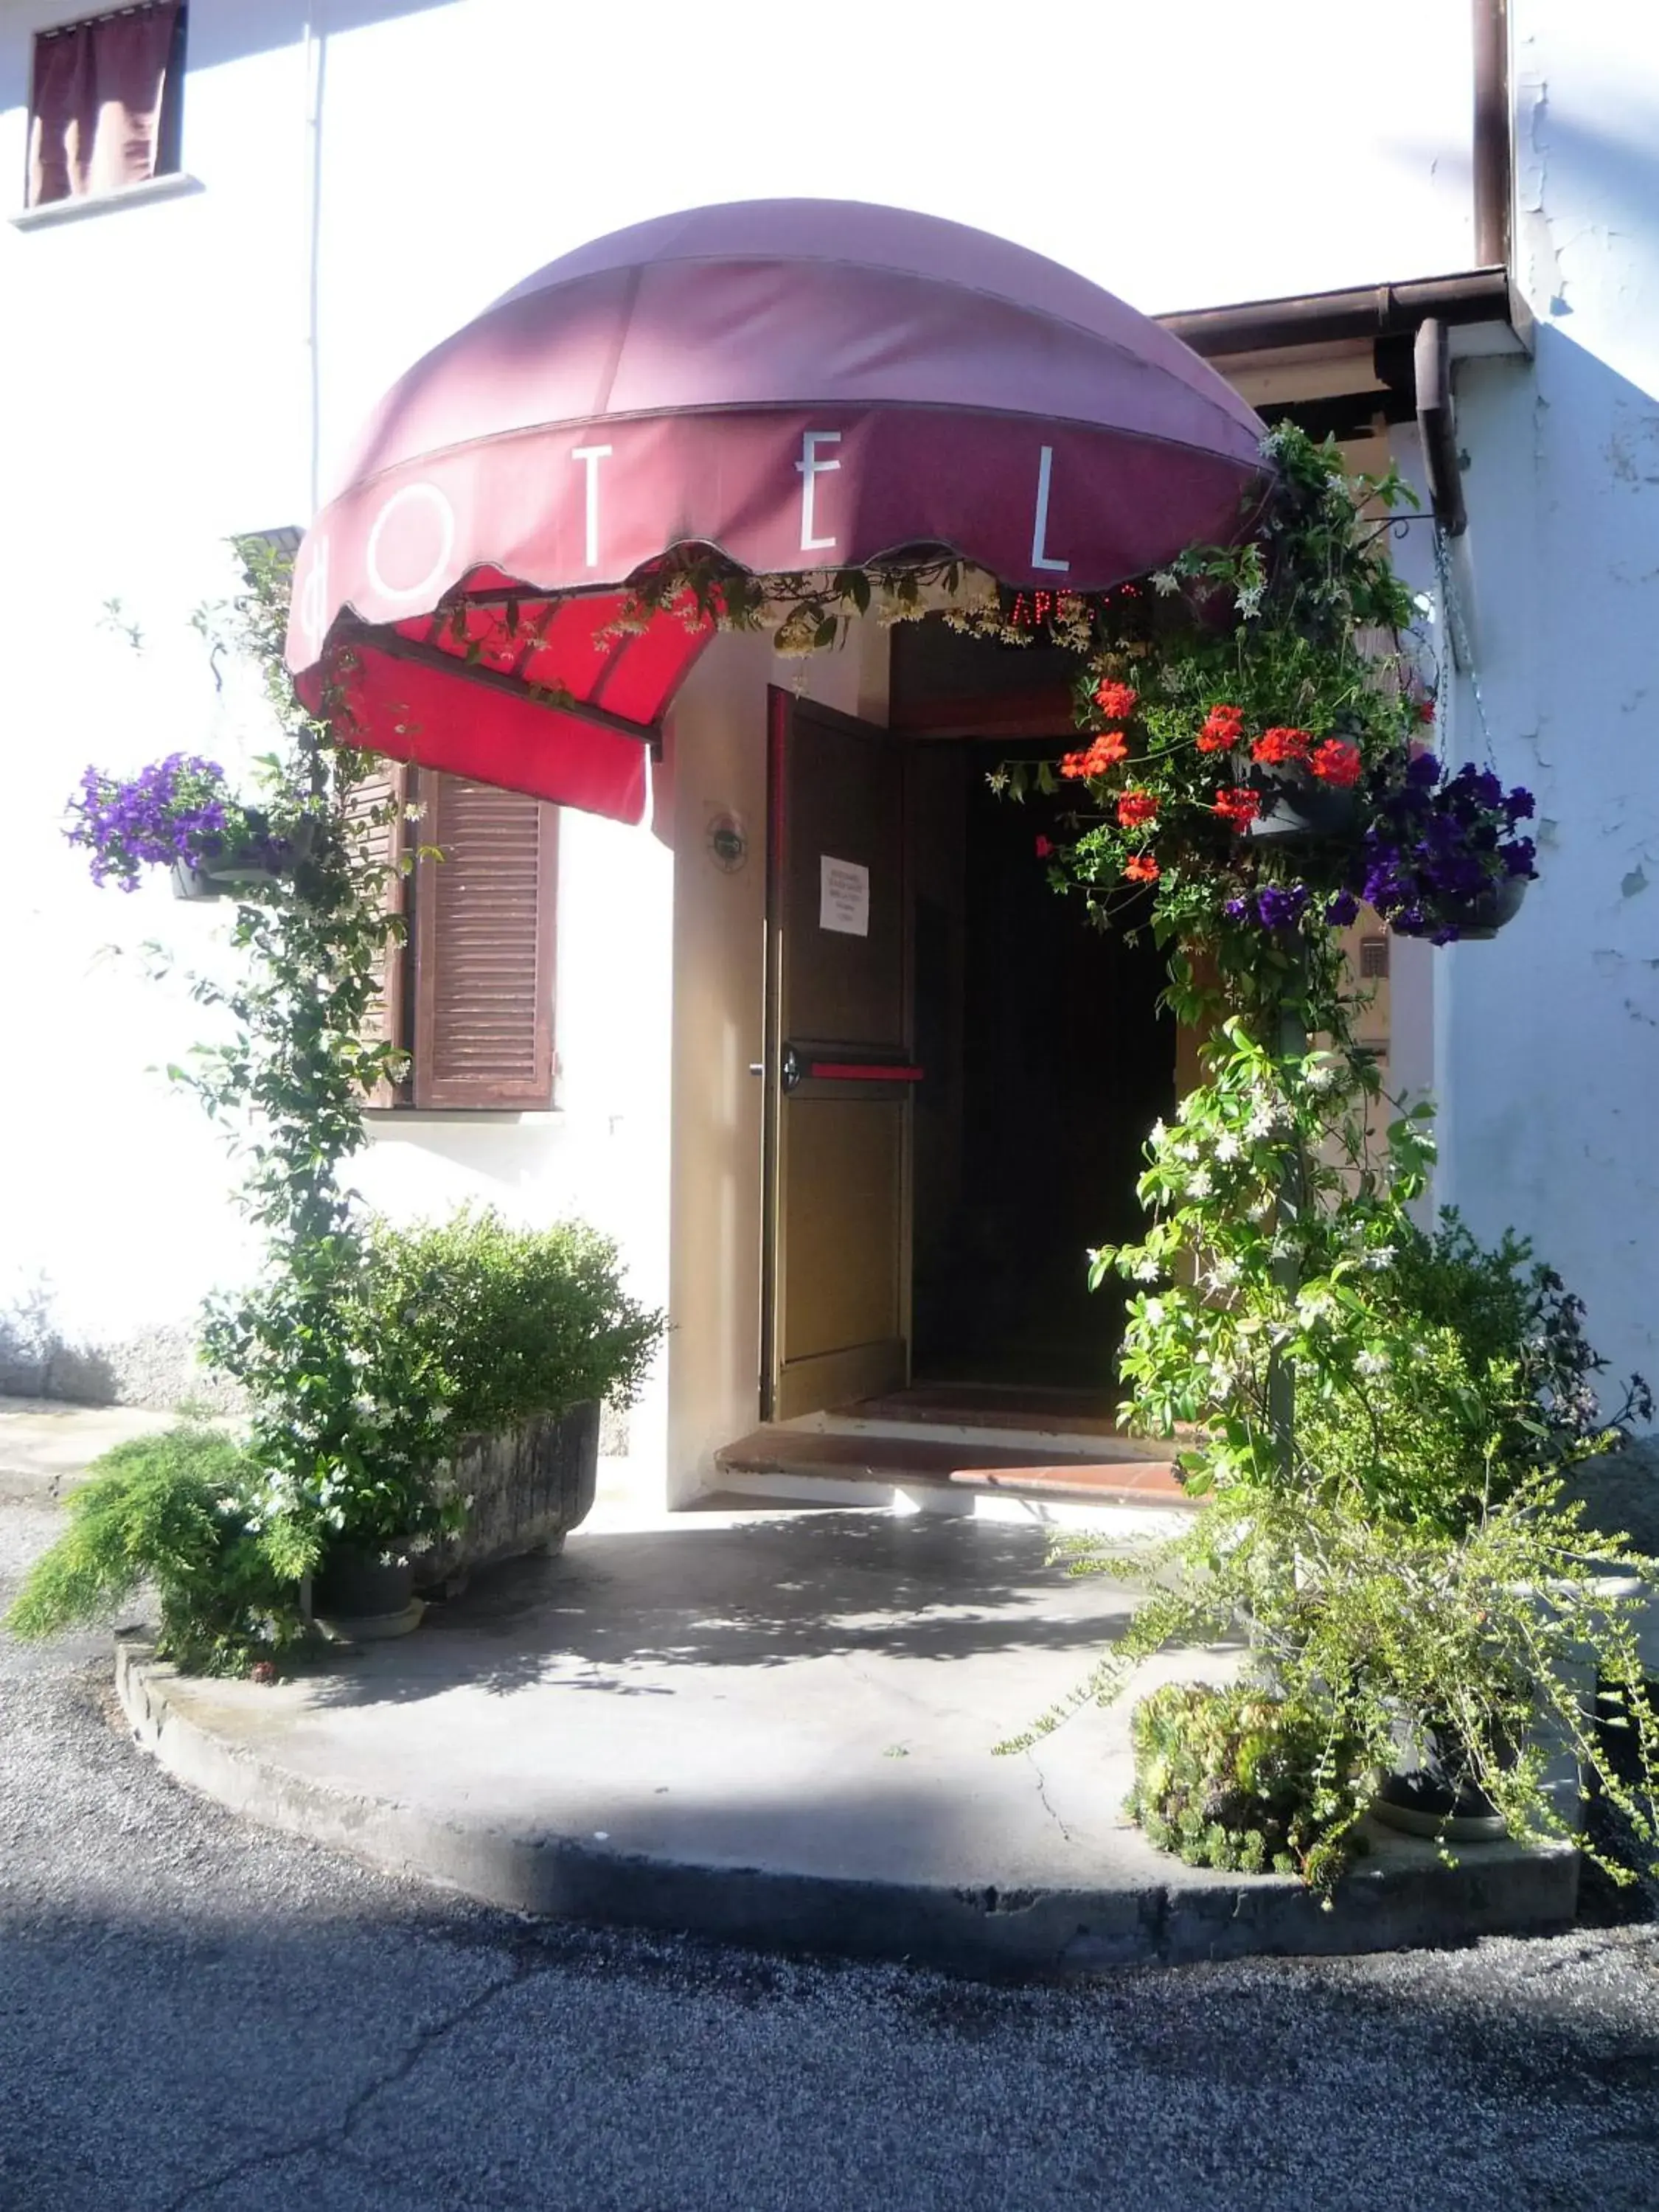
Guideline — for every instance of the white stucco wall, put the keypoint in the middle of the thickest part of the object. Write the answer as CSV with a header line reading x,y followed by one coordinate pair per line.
x,y
1549,1038
374,172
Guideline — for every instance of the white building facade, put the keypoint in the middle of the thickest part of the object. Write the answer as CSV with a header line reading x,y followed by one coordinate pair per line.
x,y
186,360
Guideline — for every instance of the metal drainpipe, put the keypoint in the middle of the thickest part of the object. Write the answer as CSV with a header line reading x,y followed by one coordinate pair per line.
x,y
1494,149
314,53
1437,426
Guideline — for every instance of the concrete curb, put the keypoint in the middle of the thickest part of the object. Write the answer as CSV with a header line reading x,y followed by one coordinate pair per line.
x,y
1403,1897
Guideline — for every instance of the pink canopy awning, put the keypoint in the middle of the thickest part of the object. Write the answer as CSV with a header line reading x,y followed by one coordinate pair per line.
x,y
800,384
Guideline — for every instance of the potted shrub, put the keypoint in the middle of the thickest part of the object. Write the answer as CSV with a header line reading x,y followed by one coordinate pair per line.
x,y
516,1336
1399,1536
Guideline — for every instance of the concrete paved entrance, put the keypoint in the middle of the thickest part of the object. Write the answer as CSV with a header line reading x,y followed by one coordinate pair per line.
x,y
780,1728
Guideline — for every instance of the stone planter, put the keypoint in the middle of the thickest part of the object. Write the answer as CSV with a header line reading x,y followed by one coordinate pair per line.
x,y
528,1487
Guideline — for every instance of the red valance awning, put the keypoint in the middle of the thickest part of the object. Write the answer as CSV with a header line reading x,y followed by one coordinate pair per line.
x,y
799,383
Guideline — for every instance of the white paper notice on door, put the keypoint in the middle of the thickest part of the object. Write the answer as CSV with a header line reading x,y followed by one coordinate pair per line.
x,y
843,896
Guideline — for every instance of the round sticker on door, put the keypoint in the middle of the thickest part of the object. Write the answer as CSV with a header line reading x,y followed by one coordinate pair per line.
x,y
728,842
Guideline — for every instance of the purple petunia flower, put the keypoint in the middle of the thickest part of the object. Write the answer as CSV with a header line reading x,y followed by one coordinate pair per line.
x,y
176,808
1437,843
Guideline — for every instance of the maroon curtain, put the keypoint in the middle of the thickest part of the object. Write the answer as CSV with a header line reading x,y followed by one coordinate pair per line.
x,y
97,103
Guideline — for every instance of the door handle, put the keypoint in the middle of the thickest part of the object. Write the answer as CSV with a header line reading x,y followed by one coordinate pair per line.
x,y
861,1071
799,1068
796,1071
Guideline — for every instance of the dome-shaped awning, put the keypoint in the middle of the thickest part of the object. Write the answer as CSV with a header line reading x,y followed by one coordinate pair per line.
x,y
796,384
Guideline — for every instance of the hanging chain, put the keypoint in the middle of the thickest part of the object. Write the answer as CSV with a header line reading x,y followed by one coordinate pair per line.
x,y
1457,628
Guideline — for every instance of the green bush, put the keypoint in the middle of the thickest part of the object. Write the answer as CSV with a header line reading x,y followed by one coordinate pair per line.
x,y
417,1338
504,1323
1382,1419
171,1509
1241,1780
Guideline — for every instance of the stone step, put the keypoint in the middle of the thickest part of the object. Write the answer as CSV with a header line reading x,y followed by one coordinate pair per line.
x,y
904,1460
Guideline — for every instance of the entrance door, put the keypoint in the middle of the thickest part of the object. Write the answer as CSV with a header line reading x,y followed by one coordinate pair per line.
x,y
836,1290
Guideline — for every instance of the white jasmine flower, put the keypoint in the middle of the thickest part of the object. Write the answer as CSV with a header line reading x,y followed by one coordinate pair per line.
x,y
1262,1206
1165,582
1153,1310
1146,1269
1159,1133
1380,1256
1263,1123
1202,1185
1315,1306
1321,1076
1186,1152
1372,1363
1227,1147
1224,1273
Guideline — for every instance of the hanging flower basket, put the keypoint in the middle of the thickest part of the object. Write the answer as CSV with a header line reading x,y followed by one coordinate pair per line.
x,y
181,814
256,862
1296,805
1304,786
1476,920
1443,857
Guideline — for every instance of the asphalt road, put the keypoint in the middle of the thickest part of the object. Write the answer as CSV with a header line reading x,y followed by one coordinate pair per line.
x,y
193,2014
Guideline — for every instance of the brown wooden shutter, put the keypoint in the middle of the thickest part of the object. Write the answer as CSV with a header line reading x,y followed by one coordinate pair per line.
x,y
484,947
383,844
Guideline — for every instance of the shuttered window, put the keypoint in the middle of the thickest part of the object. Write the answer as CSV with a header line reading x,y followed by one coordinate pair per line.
x,y
387,786
470,994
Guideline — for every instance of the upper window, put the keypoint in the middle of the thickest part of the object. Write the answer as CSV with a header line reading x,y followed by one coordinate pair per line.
x,y
105,107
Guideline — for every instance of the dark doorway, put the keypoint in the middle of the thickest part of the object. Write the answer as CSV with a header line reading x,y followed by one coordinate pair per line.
x,y
1047,1061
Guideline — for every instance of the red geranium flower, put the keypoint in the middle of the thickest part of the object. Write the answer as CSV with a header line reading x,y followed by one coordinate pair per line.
x,y
1044,847
1115,700
1107,751
1336,762
1282,748
1136,807
1141,868
1425,710
1237,807
1223,728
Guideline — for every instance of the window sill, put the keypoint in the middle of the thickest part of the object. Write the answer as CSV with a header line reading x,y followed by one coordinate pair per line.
x,y
386,1121
175,186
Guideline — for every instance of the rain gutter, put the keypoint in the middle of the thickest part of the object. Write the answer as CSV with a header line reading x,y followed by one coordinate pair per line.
x,y
1340,362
